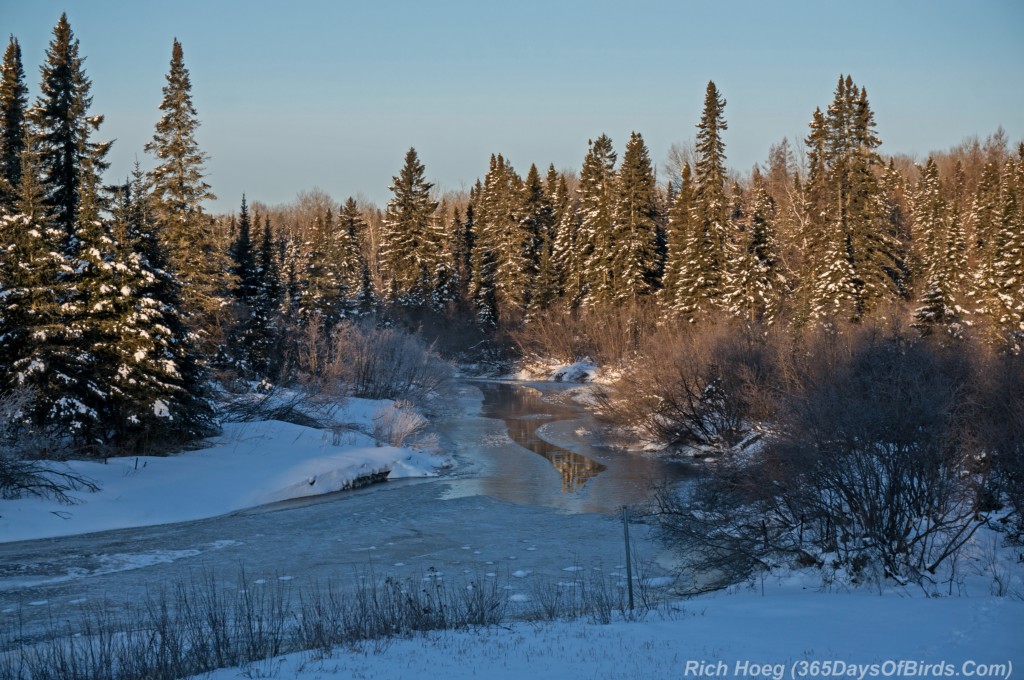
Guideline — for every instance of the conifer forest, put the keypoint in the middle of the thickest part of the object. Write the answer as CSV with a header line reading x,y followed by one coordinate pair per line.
x,y
732,303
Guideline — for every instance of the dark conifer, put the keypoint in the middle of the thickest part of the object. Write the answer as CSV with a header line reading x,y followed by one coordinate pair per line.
x,y
13,105
72,164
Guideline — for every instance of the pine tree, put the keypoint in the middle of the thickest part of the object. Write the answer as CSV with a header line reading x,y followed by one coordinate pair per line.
x,y
178,186
13,105
408,252
72,165
321,298
635,258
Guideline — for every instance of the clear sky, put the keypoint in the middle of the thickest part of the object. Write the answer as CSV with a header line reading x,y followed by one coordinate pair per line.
x,y
330,94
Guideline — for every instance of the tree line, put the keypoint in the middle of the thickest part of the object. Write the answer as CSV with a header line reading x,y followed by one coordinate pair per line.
x,y
119,300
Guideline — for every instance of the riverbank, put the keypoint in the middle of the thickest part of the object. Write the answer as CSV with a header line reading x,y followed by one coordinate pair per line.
x,y
250,464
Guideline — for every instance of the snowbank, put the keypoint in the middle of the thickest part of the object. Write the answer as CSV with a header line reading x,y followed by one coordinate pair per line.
x,y
785,632
554,371
250,464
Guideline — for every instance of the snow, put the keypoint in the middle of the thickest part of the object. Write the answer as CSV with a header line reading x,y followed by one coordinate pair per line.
x,y
787,631
575,372
248,465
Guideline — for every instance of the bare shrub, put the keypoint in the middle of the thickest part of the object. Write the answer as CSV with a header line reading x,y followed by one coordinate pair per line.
x,y
610,334
385,363
557,334
869,464
22,470
695,386
999,421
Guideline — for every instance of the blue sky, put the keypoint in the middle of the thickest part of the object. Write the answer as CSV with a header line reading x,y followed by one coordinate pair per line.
x,y
331,94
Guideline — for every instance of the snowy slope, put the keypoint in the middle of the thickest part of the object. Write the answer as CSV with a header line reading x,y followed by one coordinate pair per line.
x,y
780,634
250,464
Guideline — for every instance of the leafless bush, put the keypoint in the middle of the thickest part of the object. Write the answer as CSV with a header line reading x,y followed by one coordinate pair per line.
x,y
385,363
1000,434
22,470
870,463
695,386
612,335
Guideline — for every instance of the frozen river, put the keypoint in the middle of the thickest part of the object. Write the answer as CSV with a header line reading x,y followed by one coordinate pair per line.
x,y
505,511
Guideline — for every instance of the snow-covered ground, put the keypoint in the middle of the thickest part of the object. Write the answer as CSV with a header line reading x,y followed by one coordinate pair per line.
x,y
786,627
790,631
249,464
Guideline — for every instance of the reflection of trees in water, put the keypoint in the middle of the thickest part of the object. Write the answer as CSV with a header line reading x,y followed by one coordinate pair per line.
x,y
523,412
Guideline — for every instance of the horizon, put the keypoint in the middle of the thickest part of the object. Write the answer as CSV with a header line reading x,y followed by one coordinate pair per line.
x,y
359,85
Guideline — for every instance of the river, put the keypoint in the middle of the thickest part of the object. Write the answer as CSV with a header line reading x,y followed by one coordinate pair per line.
x,y
504,511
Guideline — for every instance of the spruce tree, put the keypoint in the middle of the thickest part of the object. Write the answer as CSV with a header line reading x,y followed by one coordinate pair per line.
x,y
635,258
321,298
1006,288
710,206
408,252
34,337
505,238
355,282
13,105
178,184
244,270
931,224
595,246
682,248
72,164
265,337
754,285
156,385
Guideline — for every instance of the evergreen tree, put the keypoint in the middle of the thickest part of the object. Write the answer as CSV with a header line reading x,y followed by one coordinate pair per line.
x,y
72,164
753,283
35,342
682,248
321,297
710,209
178,186
243,256
408,251
931,220
463,236
595,246
245,276
1006,288
265,335
13,104
635,258
849,209
156,385
505,240
356,285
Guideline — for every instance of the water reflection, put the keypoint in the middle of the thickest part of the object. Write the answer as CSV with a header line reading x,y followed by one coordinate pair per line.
x,y
523,411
